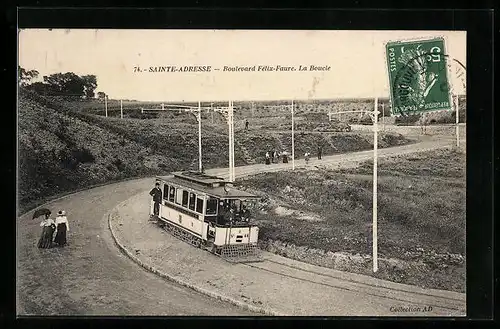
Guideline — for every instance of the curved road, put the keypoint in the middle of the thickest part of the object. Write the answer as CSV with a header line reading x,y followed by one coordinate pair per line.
x,y
91,277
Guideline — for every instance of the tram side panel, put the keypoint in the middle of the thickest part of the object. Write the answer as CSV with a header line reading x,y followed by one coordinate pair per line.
x,y
191,223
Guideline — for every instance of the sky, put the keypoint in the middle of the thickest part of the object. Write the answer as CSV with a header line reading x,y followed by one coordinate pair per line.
x,y
356,59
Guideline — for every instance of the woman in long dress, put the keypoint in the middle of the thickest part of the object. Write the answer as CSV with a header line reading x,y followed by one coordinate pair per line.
x,y
285,157
47,232
62,227
268,160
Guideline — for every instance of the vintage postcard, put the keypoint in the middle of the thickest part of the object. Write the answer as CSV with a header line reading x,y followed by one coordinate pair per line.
x,y
241,173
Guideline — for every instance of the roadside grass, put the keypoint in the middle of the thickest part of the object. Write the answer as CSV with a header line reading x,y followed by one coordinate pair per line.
x,y
421,210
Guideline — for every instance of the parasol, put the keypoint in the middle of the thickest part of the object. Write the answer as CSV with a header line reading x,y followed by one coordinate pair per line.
x,y
41,212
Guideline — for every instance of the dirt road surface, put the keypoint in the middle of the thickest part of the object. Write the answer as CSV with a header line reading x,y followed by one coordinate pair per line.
x,y
91,277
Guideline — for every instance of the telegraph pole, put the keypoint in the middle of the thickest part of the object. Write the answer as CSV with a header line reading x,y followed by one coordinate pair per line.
x,y
106,104
232,139
229,145
375,157
121,109
230,123
199,137
228,113
291,107
192,110
293,140
383,116
457,132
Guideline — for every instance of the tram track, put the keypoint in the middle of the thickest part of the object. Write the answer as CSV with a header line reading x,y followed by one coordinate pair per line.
x,y
361,283
359,287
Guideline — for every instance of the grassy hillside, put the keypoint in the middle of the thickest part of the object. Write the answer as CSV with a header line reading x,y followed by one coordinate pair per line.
x,y
62,148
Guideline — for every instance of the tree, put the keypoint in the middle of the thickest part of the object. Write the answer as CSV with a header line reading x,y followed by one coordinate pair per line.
x,y
39,87
26,76
101,95
67,83
60,84
89,85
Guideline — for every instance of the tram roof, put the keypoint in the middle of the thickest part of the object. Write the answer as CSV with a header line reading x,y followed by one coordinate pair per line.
x,y
216,191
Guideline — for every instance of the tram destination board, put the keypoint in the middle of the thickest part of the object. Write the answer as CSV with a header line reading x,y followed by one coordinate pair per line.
x,y
418,76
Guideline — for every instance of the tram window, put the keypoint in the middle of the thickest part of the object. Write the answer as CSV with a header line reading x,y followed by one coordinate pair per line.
x,y
165,192
178,196
185,196
212,204
236,205
192,201
199,205
171,196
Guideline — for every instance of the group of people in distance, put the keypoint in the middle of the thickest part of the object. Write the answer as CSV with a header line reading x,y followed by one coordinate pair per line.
x,y
308,155
59,226
273,156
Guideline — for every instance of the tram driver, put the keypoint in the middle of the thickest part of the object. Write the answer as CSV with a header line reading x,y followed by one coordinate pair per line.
x,y
156,194
223,213
245,213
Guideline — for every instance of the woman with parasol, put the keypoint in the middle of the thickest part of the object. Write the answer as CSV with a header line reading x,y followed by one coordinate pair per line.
x,y
48,228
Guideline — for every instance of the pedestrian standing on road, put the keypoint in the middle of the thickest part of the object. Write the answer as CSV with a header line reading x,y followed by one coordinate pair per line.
x,y
320,152
423,123
285,157
47,232
306,157
62,227
246,124
268,160
156,194
275,156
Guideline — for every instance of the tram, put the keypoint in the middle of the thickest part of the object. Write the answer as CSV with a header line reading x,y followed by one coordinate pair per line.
x,y
209,213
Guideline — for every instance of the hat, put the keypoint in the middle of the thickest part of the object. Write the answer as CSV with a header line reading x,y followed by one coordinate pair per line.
x,y
61,213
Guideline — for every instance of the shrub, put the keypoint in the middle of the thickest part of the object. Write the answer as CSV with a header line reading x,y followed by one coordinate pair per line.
x,y
118,163
83,155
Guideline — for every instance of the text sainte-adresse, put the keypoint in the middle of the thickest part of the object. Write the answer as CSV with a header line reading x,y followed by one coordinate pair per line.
x,y
254,68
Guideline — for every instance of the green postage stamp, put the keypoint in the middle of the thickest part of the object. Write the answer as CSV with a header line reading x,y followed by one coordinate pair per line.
x,y
418,77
